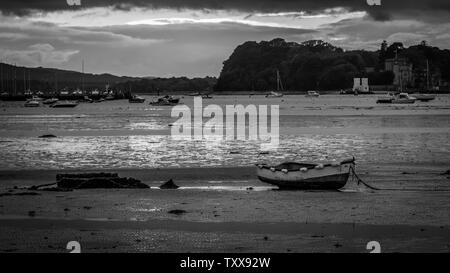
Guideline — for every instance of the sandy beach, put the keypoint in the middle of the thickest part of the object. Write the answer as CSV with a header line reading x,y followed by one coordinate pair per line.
x,y
402,150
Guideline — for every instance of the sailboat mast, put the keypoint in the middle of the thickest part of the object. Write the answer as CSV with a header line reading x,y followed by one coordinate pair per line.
x,y
428,76
82,75
1,75
15,79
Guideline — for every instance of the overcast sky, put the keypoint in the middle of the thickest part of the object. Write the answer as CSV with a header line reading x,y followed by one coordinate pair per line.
x,y
193,37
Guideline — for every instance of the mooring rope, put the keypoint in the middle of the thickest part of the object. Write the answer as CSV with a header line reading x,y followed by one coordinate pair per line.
x,y
360,181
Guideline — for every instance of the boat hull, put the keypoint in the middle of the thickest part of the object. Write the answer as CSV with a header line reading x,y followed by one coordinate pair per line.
x,y
324,178
330,182
403,101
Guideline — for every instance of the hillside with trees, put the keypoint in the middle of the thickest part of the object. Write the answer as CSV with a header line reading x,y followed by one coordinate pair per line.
x,y
316,65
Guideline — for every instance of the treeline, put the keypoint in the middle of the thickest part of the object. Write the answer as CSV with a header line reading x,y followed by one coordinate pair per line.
x,y
315,65
17,79
157,85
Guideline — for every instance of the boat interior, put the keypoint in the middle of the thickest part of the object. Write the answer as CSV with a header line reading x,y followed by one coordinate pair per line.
x,y
294,166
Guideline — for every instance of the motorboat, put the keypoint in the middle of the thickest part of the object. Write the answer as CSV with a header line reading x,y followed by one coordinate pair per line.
x,y
424,97
165,101
32,103
388,98
136,99
403,98
312,94
50,101
307,176
64,104
274,94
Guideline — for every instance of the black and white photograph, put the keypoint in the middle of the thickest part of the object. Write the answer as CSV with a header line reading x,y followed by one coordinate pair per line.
x,y
246,127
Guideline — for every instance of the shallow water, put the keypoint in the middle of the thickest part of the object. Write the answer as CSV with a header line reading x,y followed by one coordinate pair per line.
x,y
116,134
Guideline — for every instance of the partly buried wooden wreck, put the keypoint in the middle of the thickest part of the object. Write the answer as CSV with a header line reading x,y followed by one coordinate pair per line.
x,y
74,181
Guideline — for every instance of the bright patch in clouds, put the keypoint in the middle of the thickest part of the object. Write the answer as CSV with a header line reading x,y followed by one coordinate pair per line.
x,y
98,17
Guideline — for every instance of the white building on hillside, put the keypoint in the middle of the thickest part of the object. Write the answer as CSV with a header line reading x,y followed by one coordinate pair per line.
x,y
361,85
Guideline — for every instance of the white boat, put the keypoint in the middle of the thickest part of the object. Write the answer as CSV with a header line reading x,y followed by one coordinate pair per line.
x,y
64,104
136,99
388,98
307,176
424,97
32,103
50,101
274,94
403,98
312,94
277,94
165,101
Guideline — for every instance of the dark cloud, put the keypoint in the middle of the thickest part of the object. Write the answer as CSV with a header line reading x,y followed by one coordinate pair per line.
x,y
387,10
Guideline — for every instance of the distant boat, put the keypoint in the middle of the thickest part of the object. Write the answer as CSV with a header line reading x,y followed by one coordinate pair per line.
x,y
312,94
307,176
424,97
50,101
195,94
403,98
136,99
98,100
85,99
64,104
32,103
110,97
274,94
277,94
165,101
388,98
207,96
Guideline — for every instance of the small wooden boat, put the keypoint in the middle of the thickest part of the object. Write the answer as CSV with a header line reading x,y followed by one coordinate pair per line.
x,y
136,99
403,98
307,176
312,94
64,104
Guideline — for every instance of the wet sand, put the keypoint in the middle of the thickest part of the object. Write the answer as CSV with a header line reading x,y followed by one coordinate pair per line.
x,y
222,214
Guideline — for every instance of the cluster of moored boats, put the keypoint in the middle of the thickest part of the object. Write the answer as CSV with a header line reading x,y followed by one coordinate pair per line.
x,y
52,102
404,98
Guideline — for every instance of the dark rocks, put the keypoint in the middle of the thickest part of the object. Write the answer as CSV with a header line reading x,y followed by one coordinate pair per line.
x,y
47,136
177,211
98,181
169,185
446,172
31,213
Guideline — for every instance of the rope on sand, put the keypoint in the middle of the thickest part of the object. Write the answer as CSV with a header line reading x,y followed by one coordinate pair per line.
x,y
360,181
